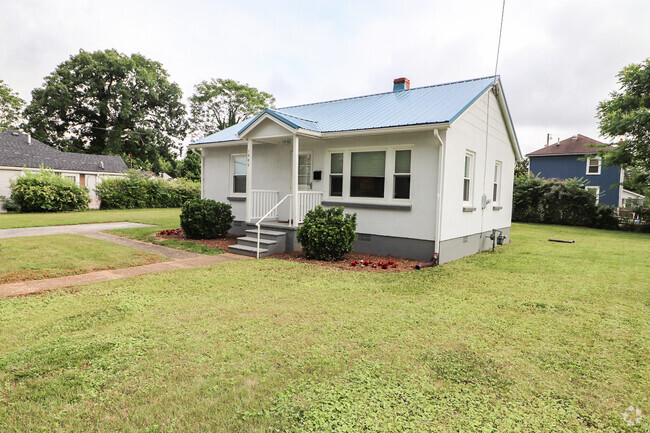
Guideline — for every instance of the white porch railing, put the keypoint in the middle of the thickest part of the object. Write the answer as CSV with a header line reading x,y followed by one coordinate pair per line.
x,y
259,223
262,202
307,200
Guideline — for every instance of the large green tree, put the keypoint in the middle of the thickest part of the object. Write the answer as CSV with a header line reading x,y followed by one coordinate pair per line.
x,y
10,108
220,103
626,116
106,102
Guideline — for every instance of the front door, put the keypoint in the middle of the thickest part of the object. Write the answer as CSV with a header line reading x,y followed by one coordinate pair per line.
x,y
304,172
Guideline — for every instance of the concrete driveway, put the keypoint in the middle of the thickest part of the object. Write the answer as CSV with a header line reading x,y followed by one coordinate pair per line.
x,y
67,230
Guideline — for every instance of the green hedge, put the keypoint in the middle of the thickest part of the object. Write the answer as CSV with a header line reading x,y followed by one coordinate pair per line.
x,y
327,234
136,191
206,219
554,201
44,191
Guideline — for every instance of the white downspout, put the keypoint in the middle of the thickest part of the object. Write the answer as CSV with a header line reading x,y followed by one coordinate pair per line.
x,y
294,179
440,192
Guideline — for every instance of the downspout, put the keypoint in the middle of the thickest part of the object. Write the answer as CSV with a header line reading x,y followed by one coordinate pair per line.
x,y
439,195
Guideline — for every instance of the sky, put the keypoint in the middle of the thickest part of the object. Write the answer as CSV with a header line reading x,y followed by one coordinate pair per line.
x,y
558,58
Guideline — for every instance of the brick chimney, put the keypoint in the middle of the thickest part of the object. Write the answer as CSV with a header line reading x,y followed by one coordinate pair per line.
x,y
401,84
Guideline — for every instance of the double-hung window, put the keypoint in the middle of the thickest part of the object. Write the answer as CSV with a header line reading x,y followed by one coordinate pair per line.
x,y
593,165
336,174
596,190
402,177
496,186
239,174
468,175
367,174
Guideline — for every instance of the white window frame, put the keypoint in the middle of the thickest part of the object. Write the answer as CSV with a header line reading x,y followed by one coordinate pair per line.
x,y
389,174
232,174
470,177
74,175
409,174
597,188
329,174
496,185
600,164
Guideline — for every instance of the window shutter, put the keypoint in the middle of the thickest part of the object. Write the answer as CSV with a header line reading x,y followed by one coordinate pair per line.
x,y
368,164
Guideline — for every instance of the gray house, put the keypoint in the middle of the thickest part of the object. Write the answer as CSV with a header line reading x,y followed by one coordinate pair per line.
x,y
19,152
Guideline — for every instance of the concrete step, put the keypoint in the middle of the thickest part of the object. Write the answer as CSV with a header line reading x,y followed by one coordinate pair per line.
x,y
252,242
267,234
247,251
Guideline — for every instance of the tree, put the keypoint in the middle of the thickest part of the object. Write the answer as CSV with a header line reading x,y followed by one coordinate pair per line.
x,y
190,167
522,167
218,104
106,102
626,115
10,107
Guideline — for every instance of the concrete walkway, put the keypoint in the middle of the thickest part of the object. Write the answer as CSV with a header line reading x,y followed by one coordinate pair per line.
x,y
171,253
31,287
65,230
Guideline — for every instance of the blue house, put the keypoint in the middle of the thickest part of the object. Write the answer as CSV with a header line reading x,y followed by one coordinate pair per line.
x,y
577,157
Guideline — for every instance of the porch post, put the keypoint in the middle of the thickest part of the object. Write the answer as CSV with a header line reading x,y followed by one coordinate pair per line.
x,y
249,180
294,179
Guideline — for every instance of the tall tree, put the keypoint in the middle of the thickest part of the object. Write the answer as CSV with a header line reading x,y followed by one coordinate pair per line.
x,y
626,115
106,102
218,104
10,108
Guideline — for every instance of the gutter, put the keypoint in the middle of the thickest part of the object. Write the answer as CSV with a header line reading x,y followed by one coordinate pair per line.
x,y
439,194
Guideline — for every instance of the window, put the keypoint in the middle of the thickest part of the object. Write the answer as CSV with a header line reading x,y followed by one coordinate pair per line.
x,y
496,187
467,177
593,165
72,177
367,174
304,172
239,174
596,190
336,175
402,179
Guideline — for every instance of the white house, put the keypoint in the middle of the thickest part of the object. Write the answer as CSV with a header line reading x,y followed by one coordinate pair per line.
x,y
427,170
19,152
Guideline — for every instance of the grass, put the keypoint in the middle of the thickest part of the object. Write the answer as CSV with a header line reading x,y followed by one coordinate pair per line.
x,y
538,336
39,257
163,219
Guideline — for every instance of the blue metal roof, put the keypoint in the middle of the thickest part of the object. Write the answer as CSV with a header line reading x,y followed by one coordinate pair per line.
x,y
441,103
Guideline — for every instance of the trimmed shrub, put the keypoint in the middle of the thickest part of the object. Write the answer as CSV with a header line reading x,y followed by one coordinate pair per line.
x,y
555,201
136,191
206,219
44,191
327,234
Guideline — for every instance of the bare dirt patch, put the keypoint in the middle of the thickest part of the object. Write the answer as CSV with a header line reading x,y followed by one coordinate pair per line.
x,y
403,265
220,243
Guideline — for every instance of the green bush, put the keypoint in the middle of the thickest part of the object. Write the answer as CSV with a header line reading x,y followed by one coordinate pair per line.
x,y
206,219
555,201
327,234
136,191
44,191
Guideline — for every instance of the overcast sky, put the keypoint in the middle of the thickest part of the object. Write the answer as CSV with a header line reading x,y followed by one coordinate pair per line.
x,y
559,58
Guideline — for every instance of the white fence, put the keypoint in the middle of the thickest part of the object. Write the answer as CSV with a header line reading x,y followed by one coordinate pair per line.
x,y
263,201
307,200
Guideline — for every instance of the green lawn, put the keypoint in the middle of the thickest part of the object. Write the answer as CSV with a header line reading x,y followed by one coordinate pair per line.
x,y
38,257
537,337
162,217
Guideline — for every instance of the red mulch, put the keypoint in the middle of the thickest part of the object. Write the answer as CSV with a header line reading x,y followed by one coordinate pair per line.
x,y
403,265
221,243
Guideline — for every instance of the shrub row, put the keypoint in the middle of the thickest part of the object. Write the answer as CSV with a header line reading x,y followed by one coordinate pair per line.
x,y
137,191
554,201
44,191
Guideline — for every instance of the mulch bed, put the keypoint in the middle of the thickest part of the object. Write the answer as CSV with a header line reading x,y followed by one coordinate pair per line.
x,y
221,243
403,265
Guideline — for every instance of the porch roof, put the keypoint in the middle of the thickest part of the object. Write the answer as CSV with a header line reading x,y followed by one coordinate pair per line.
x,y
441,103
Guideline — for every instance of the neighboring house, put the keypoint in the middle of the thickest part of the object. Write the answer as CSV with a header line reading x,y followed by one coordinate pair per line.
x,y
19,152
576,157
423,169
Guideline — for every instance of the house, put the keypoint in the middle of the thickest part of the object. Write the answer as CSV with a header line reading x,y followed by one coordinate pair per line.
x,y
577,157
19,152
425,169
